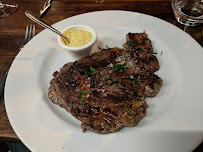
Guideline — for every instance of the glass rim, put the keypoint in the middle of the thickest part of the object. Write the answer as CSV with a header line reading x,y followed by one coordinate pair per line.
x,y
188,17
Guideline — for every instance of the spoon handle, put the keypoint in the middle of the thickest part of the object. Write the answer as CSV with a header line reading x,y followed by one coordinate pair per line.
x,y
44,24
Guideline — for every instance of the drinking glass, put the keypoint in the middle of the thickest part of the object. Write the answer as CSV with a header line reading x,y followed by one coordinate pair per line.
x,y
188,12
7,8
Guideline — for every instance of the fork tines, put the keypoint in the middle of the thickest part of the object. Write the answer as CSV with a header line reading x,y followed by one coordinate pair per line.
x,y
31,34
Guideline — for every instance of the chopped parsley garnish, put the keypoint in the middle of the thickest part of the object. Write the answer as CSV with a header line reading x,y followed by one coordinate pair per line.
x,y
135,82
138,98
107,79
72,76
91,91
139,50
154,52
92,84
81,99
99,74
142,67
92,69
118,86
79,96
113,69
113,82
71,105
120,67
145,38
99,77
130,43
64,76
107,46
137,74
139,80
88,74
129,77
75,62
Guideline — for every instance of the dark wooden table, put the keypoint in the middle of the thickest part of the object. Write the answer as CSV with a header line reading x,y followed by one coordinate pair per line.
x,y
12,30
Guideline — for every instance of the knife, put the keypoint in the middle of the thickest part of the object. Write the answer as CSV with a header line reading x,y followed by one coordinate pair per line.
x,y
47,4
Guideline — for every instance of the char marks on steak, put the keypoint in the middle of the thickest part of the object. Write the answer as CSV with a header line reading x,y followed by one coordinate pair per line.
x,y
106,91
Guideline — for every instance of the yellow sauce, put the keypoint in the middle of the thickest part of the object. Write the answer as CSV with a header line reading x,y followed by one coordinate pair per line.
x,y
78,37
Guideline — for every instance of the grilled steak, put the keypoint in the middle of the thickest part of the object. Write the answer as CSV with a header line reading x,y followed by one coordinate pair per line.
x,y
106,91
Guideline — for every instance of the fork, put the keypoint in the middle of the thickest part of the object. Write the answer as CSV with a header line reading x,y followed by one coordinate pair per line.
x,y
29,34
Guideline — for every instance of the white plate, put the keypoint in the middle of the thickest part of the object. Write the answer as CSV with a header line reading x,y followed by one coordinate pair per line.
x,y
174,116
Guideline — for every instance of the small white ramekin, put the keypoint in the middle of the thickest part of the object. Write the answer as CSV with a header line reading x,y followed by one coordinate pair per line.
x,y
86,47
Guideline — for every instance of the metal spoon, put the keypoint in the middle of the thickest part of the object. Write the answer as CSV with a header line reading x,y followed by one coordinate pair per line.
x,y
45,25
